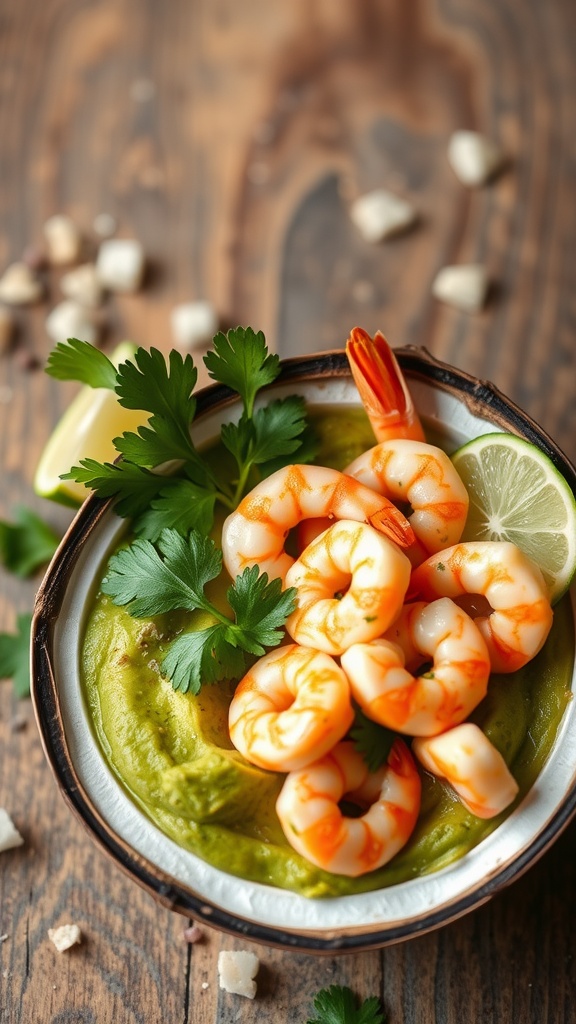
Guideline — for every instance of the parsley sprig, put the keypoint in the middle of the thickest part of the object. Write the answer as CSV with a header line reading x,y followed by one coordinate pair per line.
x,y
172,574
337,1004
372,740
15,655
261,440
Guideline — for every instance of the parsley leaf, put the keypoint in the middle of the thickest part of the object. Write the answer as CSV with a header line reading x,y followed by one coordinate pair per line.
x,y
180,505
172,574
261,607
15,655
337,1004
78,360
132,486
372,740
241,361
27,543
164,389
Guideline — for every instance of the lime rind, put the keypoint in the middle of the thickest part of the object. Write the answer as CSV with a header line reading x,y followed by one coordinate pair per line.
x,y
517,494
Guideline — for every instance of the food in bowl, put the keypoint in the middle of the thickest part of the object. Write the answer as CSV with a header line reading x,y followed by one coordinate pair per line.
x,y
173,752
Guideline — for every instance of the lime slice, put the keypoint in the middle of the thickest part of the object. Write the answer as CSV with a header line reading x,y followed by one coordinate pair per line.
x,y
85,431
517,494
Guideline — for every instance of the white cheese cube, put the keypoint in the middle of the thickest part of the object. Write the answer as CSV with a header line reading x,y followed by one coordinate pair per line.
x,y
83,285
380,214
473,157
464,287
194,324
19,286
9,834
63,239
70,320
64,936
120,264
237,970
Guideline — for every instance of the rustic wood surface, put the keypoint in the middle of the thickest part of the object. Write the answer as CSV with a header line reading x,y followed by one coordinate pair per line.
x,y
230,138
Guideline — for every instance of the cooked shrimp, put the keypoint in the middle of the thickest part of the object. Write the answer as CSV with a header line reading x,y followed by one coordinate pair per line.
x,y
442,696
350,584
423,476
316,827
290,708
474,768
255,533
513,586
381,386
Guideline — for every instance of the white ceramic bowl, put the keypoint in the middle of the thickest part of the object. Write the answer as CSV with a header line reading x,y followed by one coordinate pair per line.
x,y
460,407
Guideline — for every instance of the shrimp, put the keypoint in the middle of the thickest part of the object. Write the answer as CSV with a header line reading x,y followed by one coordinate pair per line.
x,y
474,768
315,826
370,574
290,708
441,697
382,387
423,476
255,532
520,617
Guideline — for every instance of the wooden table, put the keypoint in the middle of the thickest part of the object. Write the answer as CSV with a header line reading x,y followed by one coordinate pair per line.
x,y
230,139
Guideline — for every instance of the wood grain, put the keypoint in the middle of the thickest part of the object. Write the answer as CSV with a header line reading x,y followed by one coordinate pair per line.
x,y
235,164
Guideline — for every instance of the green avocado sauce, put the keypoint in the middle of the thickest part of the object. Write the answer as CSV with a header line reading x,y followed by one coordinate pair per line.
x,y
172,752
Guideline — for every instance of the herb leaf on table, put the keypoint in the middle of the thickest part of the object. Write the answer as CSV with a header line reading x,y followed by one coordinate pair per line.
x,y
27,543
15,655
172,574
337,1004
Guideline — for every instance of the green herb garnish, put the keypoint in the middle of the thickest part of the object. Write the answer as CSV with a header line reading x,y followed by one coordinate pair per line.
x,y
27,543
372,740
337,1004
151,579
15,655
262,440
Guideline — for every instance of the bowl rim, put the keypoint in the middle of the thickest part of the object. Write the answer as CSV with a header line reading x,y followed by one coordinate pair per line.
x,y
417,363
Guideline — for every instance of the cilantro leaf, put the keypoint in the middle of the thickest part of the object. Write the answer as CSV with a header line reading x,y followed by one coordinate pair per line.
x,y
181,505
150,584
172,574
15,655
202,657
132,486
241,361
277,429
261,608
27,543
337,1004
78,360
148,383
372,740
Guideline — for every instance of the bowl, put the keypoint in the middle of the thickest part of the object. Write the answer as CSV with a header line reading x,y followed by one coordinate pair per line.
x,y
453,405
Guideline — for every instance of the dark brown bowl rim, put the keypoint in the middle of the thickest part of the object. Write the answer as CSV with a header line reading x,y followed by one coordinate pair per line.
x,y
479,397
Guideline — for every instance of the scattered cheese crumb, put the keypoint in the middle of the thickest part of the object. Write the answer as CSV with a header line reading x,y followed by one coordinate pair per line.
x,y
3,938
82,285
193,324
473,157
63,239
19,285
380,214
65,936
192,934
9,834
464,287
237,970
120,264
70,320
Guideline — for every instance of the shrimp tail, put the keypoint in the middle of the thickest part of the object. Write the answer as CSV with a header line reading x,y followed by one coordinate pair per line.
x,y
390,522
382,387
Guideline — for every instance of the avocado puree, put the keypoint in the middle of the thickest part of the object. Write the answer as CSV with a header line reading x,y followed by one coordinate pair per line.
x,y
172,752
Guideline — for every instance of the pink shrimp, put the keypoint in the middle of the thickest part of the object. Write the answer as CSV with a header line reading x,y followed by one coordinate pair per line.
x,y
520,616
474,768
254,534
382,388
439,698
315,826
290,708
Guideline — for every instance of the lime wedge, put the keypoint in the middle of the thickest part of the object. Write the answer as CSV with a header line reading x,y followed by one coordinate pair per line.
x,y
85,431
517,494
